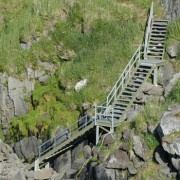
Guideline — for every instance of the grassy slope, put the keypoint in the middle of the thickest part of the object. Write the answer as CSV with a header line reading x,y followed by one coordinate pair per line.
x,y
98,36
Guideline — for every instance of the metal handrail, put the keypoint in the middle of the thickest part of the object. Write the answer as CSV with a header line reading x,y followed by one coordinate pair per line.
x,y
63,136
122,79
148,30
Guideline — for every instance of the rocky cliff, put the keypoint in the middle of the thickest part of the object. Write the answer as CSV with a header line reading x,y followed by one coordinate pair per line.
x,y
172,8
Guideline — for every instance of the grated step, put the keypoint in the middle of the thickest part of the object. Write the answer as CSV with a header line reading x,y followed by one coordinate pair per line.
x,y
158,31
131,89
161,20
135,84
126,96
139,77
156,49
144,73
158,43
157,38
159,24
124,100
121,104
156,53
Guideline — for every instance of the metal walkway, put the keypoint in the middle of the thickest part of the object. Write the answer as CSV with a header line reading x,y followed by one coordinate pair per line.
x,y
144,63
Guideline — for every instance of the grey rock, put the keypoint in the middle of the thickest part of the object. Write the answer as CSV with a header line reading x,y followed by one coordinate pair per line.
x,y
87,151
43,79
127,135
122,175
100,172
140,96
173,49
46,65
161,156
169,122
172,147
124,147
171,84
168,73
20,175
63,163
140,148
164,170
77,164
43,174
108,139
83,173
18,91
156,90
26,45
147,86
132,170
172,8
137,163
70,173
1,167
17,149
118,160
28,147
176,163
81,84
94,151
39,73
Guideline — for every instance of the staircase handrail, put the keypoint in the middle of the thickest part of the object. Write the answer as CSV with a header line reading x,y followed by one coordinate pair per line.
x,y
122,78
148,29
63,136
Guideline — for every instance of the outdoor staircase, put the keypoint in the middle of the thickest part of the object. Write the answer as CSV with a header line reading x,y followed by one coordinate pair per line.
x,y
143,64
155,49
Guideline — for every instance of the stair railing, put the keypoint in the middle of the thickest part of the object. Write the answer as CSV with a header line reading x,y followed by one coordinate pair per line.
x,y
63,136
123,77
148,30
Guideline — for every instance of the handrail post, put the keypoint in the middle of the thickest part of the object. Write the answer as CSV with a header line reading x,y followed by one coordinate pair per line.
x,y
86,121
95,114
54,141
39,151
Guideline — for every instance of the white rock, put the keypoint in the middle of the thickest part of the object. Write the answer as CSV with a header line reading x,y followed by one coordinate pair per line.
x,y
81,84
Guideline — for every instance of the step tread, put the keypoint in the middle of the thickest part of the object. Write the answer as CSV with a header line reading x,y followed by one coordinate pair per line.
x,y
157,38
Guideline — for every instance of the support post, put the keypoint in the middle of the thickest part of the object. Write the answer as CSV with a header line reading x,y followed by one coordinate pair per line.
x,y
155,76
97,134
47,166
36,166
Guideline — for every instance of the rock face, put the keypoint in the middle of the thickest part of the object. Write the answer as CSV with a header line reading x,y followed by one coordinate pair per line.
x,y
13,97
27,148
169,132
63,163
172,7
173,49
10,165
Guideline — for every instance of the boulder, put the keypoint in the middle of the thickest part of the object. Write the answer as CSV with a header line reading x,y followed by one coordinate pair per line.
x,y
63,163
26,45
176,163
20,175
161,156
170,122
43,79
48,66
81,84
140,149
108,139
173,49
118,160
87,151
156,90
168,73
171,84
165,171
43,174
124,147
100,172
127,135
27,148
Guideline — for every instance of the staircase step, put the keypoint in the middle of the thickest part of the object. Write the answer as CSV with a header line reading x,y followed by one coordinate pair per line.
x,y
121,104
126,96
159,31
161,20
163,24
137,80
159,28
117,116
156,53
134,85
155,57
131,89
157,38
139,77
156,49
158,43
116,112
124,100
144,73
142,69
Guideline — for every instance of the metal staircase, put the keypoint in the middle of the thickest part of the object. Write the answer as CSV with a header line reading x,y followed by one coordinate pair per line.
x,y
144,63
